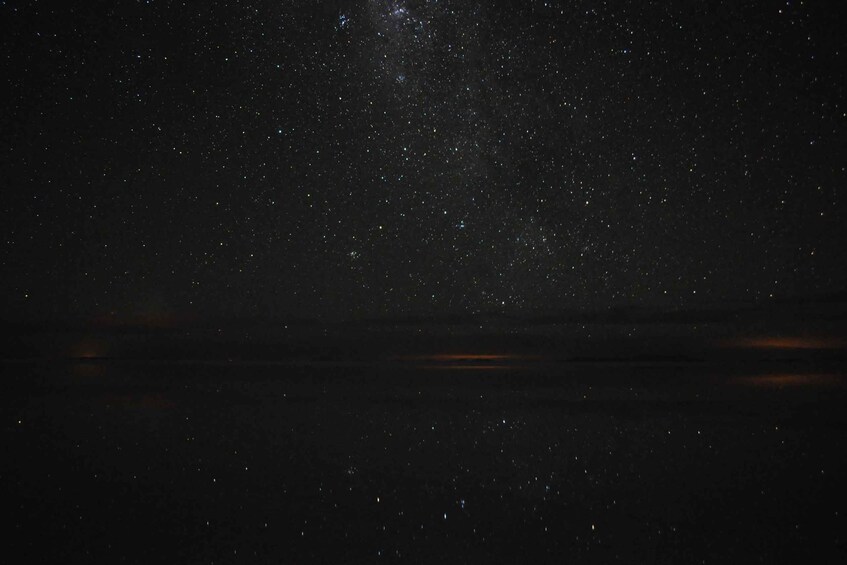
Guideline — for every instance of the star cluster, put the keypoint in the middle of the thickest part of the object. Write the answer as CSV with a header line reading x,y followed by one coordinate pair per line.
x,y
389,157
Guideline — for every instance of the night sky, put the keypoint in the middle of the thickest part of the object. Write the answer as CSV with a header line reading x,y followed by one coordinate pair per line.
x,y
379,158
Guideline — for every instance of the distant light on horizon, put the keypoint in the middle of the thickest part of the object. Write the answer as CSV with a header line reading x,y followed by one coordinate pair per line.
x,y
789,343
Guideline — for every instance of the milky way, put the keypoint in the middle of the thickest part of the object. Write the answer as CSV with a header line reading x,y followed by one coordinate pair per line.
x,y
388,157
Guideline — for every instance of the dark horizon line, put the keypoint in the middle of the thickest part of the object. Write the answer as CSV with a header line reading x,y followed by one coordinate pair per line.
x,y
613,314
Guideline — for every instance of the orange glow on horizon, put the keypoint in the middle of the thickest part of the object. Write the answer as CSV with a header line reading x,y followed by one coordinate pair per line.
x,y
88,348
780,380
465,361
448,357
789,343
473,367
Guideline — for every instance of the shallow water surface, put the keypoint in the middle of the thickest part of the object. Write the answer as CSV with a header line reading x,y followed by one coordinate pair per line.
x,y
518,460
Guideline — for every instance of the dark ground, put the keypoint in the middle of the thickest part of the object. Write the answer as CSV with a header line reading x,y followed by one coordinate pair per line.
x,y
722,458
